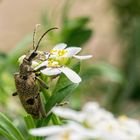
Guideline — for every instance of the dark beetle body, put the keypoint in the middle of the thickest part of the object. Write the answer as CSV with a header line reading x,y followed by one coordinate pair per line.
x,y
28,90
26,83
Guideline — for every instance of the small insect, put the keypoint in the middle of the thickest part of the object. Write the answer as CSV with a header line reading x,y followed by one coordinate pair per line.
x,y
26,83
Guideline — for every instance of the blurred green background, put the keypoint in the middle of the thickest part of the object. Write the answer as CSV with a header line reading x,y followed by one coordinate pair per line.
x,y
109,30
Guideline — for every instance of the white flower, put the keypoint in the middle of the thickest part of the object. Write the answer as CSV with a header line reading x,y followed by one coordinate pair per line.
x,y
20,60
69,131
90,114
60,50
56,60
94,114
50,70
34,63
101,122
130,126
69,114
92,122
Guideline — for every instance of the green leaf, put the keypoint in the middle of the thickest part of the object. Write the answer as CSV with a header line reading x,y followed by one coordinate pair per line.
x,y
75,31
43,121
55,120
79,22
3,59
7,125
3,55
6,135
76,36
64,81
59,96
64,88
30,124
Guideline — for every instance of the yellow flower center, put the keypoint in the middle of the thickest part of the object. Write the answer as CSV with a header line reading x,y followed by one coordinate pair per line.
x,y
59,52
53,51
52,63
62,52
110,128
123,118
66,135
57,61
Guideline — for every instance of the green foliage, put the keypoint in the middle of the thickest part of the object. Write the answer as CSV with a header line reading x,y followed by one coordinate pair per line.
x,y
63,89
128,12
119,84
127,8
3,57
103,69
30,124
56,120
97,78
21,48
75,32
8,129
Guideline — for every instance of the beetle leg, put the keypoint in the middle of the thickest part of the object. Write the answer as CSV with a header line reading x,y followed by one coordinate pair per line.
x,y
39,69
42,83
37,74
42,110
15,94
63,103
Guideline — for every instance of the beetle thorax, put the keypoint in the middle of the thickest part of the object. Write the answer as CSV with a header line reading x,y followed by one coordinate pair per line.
x,y
25,68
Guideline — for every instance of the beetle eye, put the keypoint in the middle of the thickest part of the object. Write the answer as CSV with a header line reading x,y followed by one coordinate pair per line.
x,y
30,101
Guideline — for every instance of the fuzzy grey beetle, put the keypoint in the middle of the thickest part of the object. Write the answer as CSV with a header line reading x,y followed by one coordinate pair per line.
x,y
26,83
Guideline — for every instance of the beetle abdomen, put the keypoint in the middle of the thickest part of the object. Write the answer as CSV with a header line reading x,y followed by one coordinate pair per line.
x,y
28,92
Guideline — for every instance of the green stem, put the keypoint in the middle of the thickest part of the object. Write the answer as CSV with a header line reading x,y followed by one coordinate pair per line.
x,y
55,120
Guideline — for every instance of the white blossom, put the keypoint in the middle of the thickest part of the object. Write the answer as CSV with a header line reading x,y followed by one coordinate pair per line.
x,y
102,123
92,122
20,59
69,131
56,61
60,50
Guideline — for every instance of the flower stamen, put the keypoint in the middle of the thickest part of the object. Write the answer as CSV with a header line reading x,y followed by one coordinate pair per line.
x,y
62,52
52,63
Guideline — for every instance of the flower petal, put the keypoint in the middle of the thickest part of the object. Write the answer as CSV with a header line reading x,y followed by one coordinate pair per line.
x,y
45,131
82,57
68,114
34,64
20,60
51,71
42,64
60,46
72,51
72,75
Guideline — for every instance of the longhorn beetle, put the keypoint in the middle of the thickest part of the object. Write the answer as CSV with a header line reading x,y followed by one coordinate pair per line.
x,y
26,83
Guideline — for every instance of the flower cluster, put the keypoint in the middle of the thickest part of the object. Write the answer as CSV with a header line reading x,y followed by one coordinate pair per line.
x,y
56,60
93,123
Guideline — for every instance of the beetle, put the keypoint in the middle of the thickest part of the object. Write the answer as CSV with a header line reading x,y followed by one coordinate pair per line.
x,y
26,83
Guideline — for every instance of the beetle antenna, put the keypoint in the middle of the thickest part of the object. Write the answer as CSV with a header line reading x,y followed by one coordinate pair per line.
x,y
43,36
34,53
34,33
